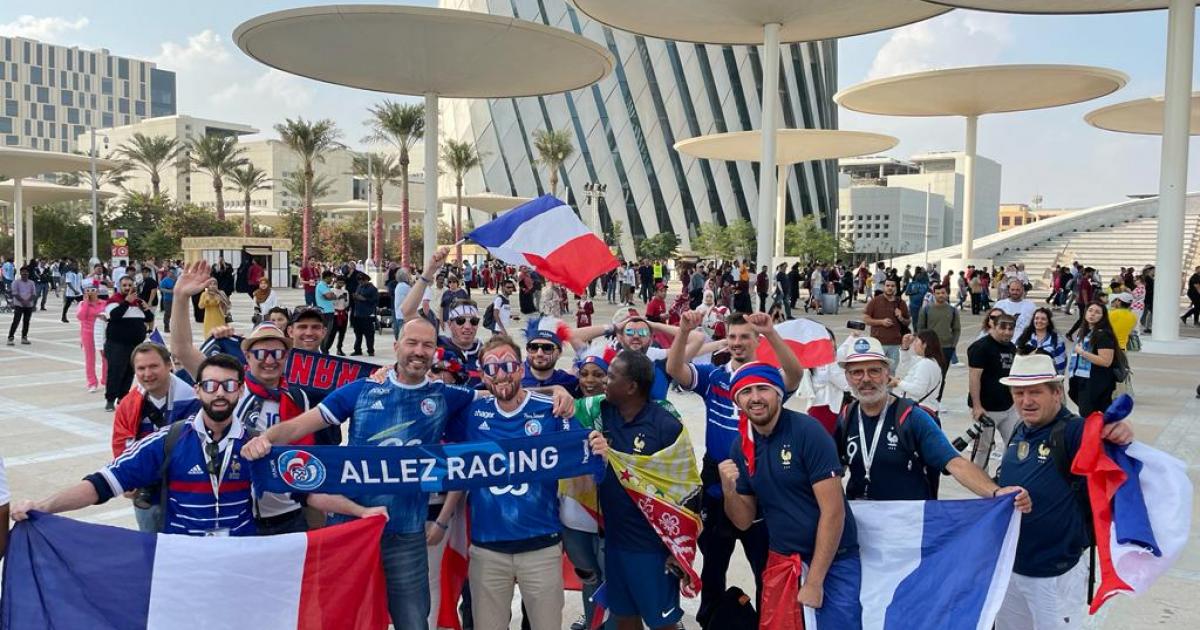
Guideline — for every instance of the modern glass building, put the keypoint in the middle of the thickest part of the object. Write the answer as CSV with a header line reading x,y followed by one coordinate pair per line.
x,y
52,94
624,127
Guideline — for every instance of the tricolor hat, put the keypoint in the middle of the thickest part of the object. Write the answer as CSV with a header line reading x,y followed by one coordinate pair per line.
x,y
860,350
1031,369
756,373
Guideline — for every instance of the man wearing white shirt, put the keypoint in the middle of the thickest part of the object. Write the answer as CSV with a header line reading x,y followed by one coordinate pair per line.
x,y
1017,306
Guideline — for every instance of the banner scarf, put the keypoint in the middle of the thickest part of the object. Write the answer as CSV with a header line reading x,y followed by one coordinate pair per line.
x,y
323,372
659,485
354,470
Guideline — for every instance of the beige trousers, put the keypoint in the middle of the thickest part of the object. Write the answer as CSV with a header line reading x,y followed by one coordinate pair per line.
x,y
493,575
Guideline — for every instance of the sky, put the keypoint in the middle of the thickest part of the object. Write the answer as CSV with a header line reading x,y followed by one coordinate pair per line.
x,y
1050,152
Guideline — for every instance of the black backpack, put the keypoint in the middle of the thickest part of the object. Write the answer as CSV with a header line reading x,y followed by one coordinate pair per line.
x,y
904,408
733,611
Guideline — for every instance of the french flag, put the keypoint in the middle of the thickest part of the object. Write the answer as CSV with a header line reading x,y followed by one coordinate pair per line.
x,y
547,235
1134,544
808,339
62,573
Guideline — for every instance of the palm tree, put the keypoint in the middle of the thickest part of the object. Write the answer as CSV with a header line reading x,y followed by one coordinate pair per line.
x,y
293,184
311,141
151,154
218,156
247,180
459,157
401,124
382,170
553,147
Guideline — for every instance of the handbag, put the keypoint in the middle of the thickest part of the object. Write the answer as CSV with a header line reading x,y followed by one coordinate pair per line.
x,y
1135,342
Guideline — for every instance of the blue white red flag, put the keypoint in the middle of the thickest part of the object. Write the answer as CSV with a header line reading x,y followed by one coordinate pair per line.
x,y
62,573
946,563
1134,544
547,235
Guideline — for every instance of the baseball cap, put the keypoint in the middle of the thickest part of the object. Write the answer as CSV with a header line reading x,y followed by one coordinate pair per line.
x,y
307,312
861,349
263,332
1125,297
545,335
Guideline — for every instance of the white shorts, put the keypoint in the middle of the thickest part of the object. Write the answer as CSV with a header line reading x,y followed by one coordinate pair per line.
x,y
1049,603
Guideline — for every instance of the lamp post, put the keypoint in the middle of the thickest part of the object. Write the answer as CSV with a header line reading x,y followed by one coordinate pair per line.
x,y
592,193
925,234
95,187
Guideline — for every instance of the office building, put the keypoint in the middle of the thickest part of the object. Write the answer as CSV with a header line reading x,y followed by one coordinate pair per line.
x,y
53,94
624,128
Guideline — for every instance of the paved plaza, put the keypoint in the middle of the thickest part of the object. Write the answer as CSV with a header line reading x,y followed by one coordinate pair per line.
x,y
52,432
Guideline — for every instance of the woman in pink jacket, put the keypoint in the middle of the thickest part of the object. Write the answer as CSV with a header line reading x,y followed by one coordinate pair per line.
x,y
91,335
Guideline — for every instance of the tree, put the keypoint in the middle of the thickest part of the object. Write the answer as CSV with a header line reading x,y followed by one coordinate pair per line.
x,y
343,240
151,154
248,179
554,148
189,220
61,231
292,216
219,157
658,247
743,239
614,234
310,141
382,170
458,157
712,241
809,241
400,124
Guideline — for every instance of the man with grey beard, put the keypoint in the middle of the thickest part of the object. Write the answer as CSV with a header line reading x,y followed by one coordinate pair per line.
x,y
902,465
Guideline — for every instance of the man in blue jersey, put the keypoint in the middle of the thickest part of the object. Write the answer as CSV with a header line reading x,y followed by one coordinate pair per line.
x,y
208,490
515,529
720,433
545,348
406,409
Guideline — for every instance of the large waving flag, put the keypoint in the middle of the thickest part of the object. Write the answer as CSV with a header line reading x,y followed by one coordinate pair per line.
x,y
1134,544
808,339
547,235
948,566
62,573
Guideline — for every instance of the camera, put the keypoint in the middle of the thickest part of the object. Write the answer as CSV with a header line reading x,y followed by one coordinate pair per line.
x,y
856,325
972,433
144,497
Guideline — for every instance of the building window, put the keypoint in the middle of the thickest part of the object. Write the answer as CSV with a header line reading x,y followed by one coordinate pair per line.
x,y
1004,221
11,140
139,108
66,97
106,119
11,108
35,75
5,125
123,69
43,95
106,86
48,112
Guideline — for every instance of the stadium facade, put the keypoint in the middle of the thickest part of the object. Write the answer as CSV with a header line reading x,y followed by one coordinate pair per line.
x,y
624,128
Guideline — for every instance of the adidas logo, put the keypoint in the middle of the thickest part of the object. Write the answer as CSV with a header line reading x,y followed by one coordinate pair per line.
x,y
483,426
196,470
378,405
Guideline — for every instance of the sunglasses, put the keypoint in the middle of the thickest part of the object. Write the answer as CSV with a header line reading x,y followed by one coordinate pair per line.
x,y
637,332
546,348
211,386
261,354
500,367
462,320
213,451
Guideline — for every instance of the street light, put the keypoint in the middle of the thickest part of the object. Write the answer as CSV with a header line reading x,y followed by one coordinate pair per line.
x,y
592,193
95,186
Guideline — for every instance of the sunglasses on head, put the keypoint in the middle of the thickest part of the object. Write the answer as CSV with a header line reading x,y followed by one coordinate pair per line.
x,y
637,332
462,320
261,354
547,348
210,386
499,367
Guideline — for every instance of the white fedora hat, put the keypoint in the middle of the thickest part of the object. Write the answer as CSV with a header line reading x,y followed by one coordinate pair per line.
x,y
1031,369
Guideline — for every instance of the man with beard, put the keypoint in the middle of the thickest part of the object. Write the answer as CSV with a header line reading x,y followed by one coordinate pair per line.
x,y
200,457
888,315
712,382
515,530
785,469
544,350
407,408
462,319
903,465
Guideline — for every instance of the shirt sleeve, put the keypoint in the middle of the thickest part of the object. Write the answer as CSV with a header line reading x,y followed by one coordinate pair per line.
x,y
701,377
931,442
338,406
458,399
137,467
976,356
820,456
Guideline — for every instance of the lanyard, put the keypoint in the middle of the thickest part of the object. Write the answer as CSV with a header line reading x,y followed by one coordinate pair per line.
x,y
215,480
868,454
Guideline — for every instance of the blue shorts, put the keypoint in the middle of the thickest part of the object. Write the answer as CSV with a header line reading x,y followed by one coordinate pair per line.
x,y
843,584
637,584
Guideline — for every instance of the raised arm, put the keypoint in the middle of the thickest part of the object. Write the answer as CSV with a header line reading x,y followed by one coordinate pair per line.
x,y
412,301
194,279
740,508
677,355
792,372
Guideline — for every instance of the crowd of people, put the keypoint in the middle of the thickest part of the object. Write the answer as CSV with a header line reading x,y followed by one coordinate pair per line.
x,y
206,415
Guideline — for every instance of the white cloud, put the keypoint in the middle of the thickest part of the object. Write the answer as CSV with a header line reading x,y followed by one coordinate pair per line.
x,y
202,48
46,29
958,38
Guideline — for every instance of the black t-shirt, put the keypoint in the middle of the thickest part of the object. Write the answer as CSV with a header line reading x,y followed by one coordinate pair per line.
x,y
1191,287
995,359
148,285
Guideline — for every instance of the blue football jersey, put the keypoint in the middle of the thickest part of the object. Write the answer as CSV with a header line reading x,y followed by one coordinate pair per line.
x,y
513,512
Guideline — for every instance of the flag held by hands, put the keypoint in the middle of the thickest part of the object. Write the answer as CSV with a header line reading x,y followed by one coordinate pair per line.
x,y
546,234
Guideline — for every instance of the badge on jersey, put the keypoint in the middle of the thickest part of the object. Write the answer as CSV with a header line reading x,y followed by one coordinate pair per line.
x,y
1043,452
785,456
1022,450
533,427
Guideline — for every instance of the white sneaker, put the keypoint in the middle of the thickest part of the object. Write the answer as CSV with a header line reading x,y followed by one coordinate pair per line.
x,y
91,390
